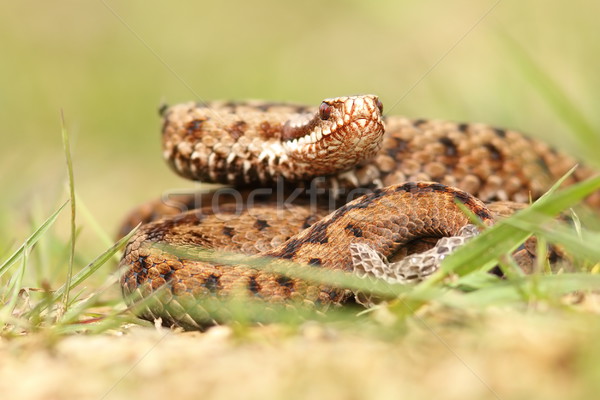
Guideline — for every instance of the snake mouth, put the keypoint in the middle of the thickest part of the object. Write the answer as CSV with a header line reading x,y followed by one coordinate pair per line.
x,y
325,133
333,116
338,119
342,132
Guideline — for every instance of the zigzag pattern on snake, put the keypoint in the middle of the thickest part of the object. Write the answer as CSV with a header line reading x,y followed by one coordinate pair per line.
x,y
351,149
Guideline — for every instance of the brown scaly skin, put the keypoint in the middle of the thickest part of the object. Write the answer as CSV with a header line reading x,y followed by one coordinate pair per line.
x,y
389,220
490,163
244,145
241,144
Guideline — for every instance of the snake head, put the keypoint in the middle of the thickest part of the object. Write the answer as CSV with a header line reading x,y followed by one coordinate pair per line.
x,y
252,142
341,133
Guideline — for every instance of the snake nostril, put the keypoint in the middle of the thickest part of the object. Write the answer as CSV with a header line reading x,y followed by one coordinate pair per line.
x,y
324,111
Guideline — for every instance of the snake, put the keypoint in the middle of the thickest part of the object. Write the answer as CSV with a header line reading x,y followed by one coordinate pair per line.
x,y
328,186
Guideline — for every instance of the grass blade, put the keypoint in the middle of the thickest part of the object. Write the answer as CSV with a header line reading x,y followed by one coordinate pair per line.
x,y
14,287
67,150
506,235
31,240
583,244
483,251
82,275
548,286
92,267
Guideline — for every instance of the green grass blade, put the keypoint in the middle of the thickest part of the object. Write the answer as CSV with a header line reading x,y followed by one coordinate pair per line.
x,y
75,311
483,251
31,240
82,275
67,150
548,286
92,267
583,244
14,287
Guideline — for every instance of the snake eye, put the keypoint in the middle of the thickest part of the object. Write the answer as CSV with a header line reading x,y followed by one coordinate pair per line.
x,y
379,105
324,111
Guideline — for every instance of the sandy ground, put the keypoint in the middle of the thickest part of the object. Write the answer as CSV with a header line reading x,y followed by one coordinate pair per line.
x,y
503,356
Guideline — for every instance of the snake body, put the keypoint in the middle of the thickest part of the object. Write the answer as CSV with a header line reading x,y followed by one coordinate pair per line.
x,y
412,171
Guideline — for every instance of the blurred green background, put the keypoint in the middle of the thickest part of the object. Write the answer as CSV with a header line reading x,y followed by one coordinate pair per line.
x,y
108,65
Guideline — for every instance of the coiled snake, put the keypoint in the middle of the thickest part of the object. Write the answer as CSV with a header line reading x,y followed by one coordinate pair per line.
x,y
331,187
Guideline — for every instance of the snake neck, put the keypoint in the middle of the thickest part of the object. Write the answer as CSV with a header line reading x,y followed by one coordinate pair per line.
x,y
259,143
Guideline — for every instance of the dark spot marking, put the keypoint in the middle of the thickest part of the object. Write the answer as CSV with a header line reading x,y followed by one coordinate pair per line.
x,y
315,261
212,283
438,187
141,275
401,145
289,250
483,214
500,132
195,237
462,197
253,286
463,127
194,125
354,230
319,230
418,122
495,154
285,281
264,107
237,129
468,201
407,187
261,224
167,276
230,104
318,233
228,231
451,150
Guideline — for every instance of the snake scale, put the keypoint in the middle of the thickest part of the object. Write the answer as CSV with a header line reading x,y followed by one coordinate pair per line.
x,y
354,177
